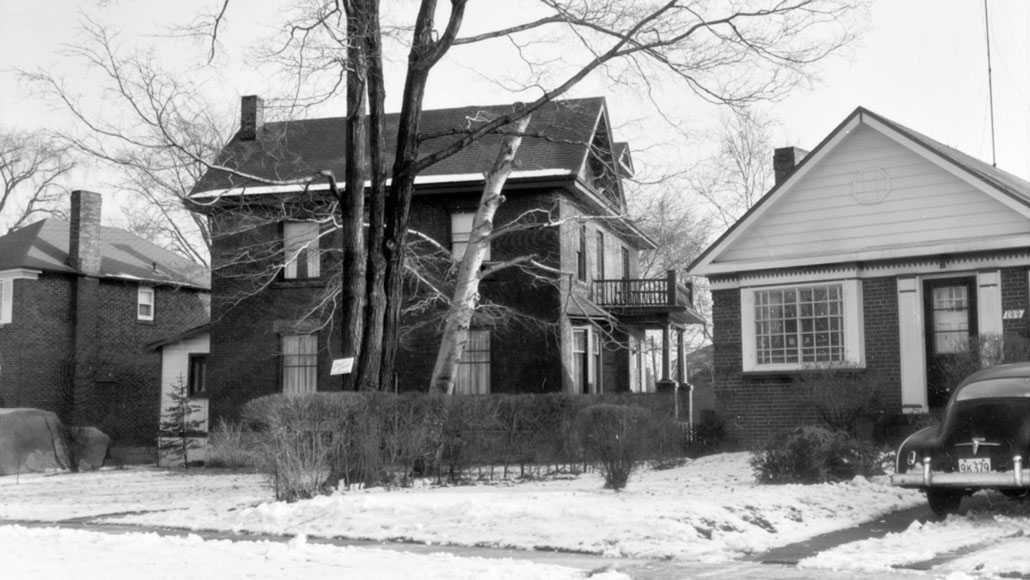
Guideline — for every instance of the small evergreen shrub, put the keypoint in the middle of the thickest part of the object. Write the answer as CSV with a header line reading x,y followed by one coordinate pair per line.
x,y
814,455
181,427
614,437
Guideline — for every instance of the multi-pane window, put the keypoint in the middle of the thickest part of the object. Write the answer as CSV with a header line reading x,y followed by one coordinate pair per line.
x,y
473,376
461,232
196,381
799,325
300,246
951,319
581,255
586,360
145,303
299,363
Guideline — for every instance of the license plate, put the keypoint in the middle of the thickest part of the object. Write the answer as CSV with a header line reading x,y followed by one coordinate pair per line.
x,y
978,465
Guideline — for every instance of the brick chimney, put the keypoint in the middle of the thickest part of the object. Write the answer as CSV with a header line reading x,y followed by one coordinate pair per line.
x,y
252,117
84,241
785,159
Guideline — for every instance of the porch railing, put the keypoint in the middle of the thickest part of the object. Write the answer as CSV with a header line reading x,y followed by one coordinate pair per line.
x,y
643,293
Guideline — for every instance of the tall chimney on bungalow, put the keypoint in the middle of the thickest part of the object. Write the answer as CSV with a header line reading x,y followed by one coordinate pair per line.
x,y
252,117
84,234
785,159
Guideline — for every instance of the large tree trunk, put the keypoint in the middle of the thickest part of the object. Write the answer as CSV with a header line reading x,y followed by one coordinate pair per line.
x,y
352,203
369,362
425,52
466,291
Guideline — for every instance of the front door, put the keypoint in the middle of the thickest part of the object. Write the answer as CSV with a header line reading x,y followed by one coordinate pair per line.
x,y
950,307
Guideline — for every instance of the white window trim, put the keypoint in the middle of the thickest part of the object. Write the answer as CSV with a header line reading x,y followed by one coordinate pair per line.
x,y
140,294
7,278
854,326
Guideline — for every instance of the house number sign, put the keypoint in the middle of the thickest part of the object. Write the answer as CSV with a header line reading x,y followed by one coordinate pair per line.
x,y
342,366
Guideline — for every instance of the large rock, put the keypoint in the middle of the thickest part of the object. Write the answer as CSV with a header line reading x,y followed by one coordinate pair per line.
x,y
34,440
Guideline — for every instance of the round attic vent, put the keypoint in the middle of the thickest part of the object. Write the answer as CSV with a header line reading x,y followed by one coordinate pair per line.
x,y
870,186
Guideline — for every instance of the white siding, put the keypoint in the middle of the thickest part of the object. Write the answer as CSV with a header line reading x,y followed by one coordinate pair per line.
x,y
175,364
926,206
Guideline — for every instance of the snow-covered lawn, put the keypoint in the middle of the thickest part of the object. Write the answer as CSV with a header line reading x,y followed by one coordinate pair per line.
x,y
706,510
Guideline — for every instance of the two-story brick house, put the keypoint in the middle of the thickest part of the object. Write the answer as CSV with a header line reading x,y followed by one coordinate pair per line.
x,y
578,332
79,302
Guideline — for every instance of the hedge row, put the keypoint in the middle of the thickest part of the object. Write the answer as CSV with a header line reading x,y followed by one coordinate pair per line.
x,y
372,437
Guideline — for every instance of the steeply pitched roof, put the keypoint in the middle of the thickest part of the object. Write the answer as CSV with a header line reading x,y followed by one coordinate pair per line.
x,y
558,139
993,179
44,246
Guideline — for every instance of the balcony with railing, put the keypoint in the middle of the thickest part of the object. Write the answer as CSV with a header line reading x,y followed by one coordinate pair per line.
x,y
651,301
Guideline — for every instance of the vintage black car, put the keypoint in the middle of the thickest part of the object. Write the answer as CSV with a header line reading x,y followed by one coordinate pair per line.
x,y
982,441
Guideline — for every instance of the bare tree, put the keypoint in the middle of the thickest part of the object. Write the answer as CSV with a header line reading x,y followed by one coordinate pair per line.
x,y
740,172
31,168
158,141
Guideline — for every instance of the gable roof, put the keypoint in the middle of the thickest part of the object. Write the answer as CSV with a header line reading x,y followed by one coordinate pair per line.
x,y
1003,187
43,245
557,144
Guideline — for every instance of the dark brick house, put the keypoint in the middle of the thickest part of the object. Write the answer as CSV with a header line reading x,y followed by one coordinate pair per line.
x,y
883,251
579,332
79,304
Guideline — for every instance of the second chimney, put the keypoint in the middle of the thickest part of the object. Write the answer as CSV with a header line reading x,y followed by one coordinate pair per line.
x,y
785,159
252,117
84,233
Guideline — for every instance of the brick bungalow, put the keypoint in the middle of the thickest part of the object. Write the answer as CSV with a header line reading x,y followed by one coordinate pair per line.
x,y
883,250
78,304
578,333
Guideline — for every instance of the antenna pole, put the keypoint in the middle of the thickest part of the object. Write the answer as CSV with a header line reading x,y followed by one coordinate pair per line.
x,y
990,84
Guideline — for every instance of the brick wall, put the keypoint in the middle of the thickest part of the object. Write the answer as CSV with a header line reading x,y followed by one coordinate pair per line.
x,y
756,406
37,350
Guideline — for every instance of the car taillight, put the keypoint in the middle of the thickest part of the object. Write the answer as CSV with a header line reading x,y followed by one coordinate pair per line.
x,y
913,458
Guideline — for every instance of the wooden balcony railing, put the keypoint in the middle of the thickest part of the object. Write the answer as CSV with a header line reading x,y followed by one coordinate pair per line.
x,y
643,293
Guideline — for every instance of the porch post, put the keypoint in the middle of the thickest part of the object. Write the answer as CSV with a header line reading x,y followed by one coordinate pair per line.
x,y
666,384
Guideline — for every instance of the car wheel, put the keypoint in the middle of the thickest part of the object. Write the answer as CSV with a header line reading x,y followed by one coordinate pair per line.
x,y
943,502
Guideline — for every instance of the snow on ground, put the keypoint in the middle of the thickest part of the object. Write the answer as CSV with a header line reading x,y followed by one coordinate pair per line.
x,y
706,510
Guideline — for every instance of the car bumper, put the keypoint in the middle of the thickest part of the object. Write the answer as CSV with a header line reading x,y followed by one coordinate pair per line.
x,y
925,477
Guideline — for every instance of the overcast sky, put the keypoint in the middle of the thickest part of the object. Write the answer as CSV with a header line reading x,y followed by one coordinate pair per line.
x,y
922,64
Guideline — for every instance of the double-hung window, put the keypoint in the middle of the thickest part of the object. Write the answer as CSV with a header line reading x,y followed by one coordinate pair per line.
x,y
474,367
461,232
586,360
299,363
145,303
795,327
300,247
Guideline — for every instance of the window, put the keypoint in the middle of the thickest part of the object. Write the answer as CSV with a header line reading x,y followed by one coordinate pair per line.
x,y
474,367
6,300
791,327
586,360
625,263
196,381
461,231
300,245
581,255
300,363
145,303
599,265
